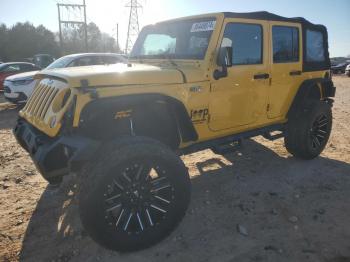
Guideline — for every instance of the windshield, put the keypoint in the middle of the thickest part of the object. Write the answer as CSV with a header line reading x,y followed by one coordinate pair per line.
x,y
60,63
188,39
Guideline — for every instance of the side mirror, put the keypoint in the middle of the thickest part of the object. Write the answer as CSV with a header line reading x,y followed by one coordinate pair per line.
x,y
225,56
225,60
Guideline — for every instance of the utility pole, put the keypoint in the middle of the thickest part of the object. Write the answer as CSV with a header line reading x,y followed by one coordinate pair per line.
x,y
60,28
133,28
85,28
68,8
118,38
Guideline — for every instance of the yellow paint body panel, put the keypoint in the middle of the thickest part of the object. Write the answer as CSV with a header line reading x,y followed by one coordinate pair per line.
x,y
235,103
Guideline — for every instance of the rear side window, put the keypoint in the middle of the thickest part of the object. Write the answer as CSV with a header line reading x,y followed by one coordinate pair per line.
x,y
285,44
246,43
314,46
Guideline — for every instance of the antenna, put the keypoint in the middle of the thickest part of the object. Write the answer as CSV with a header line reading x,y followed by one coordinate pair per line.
x,y
133,28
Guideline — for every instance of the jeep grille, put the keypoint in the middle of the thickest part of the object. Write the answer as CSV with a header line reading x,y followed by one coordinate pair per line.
x,y
40,100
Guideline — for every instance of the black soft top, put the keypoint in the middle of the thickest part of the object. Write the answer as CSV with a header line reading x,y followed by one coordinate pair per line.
x,y
306,25
263,15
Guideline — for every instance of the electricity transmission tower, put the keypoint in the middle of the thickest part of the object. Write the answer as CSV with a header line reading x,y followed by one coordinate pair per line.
x,y
66,11
133,28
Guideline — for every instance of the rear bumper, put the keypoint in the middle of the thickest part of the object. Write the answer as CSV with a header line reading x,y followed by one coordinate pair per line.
x,y
54,157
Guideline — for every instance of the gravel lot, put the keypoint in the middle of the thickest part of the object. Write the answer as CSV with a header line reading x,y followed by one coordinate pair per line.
x,y
257,204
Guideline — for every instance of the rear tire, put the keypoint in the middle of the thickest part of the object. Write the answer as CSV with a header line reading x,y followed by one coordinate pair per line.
x,y
308,131
134,195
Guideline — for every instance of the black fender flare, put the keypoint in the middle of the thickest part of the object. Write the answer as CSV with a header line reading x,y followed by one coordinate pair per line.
x,y
312,89
176,109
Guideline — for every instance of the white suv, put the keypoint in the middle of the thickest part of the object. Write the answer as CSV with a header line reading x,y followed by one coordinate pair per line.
x,y
347,70
18,88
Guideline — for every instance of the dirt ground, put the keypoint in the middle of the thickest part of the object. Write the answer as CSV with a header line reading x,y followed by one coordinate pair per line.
x,y
257,204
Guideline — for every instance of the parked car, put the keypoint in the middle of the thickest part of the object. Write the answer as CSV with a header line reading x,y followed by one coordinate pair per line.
x,y
43,60
347,70
8,69
340,68
19,87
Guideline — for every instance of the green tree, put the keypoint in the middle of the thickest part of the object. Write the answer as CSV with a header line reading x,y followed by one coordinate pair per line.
x,y
74,40
24,40
3,42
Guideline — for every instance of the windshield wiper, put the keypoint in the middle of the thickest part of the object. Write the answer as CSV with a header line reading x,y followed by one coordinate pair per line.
x,y
160,56
168,57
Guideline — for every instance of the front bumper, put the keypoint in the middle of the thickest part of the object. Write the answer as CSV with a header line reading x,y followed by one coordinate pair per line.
x,y
15,97
54,157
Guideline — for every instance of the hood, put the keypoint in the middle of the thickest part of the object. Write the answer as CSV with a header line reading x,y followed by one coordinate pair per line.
x,y
21,75
123,74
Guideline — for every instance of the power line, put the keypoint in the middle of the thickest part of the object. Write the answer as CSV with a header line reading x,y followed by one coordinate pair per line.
x,y
69,9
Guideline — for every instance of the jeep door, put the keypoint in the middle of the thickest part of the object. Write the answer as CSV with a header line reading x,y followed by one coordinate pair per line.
x,y
286,66
240,98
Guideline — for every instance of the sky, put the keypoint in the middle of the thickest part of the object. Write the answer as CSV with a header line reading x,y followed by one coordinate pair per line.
x,y
107,14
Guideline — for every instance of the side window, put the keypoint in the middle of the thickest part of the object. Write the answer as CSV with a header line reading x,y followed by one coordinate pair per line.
x,y
246,43
80,62
12,68
25,67
314,46
97,60
87,61
285,44
110,60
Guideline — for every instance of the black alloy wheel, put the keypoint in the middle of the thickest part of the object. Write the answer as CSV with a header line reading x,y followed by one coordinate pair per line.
x,y
134,194
139,199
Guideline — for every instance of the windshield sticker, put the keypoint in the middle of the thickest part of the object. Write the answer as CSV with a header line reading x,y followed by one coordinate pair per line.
x,y
203,26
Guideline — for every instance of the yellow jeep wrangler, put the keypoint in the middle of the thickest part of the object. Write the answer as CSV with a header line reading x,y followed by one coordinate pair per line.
x,y
192,83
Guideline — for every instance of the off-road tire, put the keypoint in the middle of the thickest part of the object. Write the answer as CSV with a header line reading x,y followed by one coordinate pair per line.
x,y
308,130
124,169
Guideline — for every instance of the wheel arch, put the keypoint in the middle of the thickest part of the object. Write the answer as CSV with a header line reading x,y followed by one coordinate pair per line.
x,y
312,89
149,111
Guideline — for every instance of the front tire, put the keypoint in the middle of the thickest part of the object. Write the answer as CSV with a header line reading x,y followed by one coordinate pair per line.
x,y
308,131
134,195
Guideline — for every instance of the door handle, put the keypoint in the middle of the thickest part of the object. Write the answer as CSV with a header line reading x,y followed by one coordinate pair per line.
x,y
262,76
295,73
